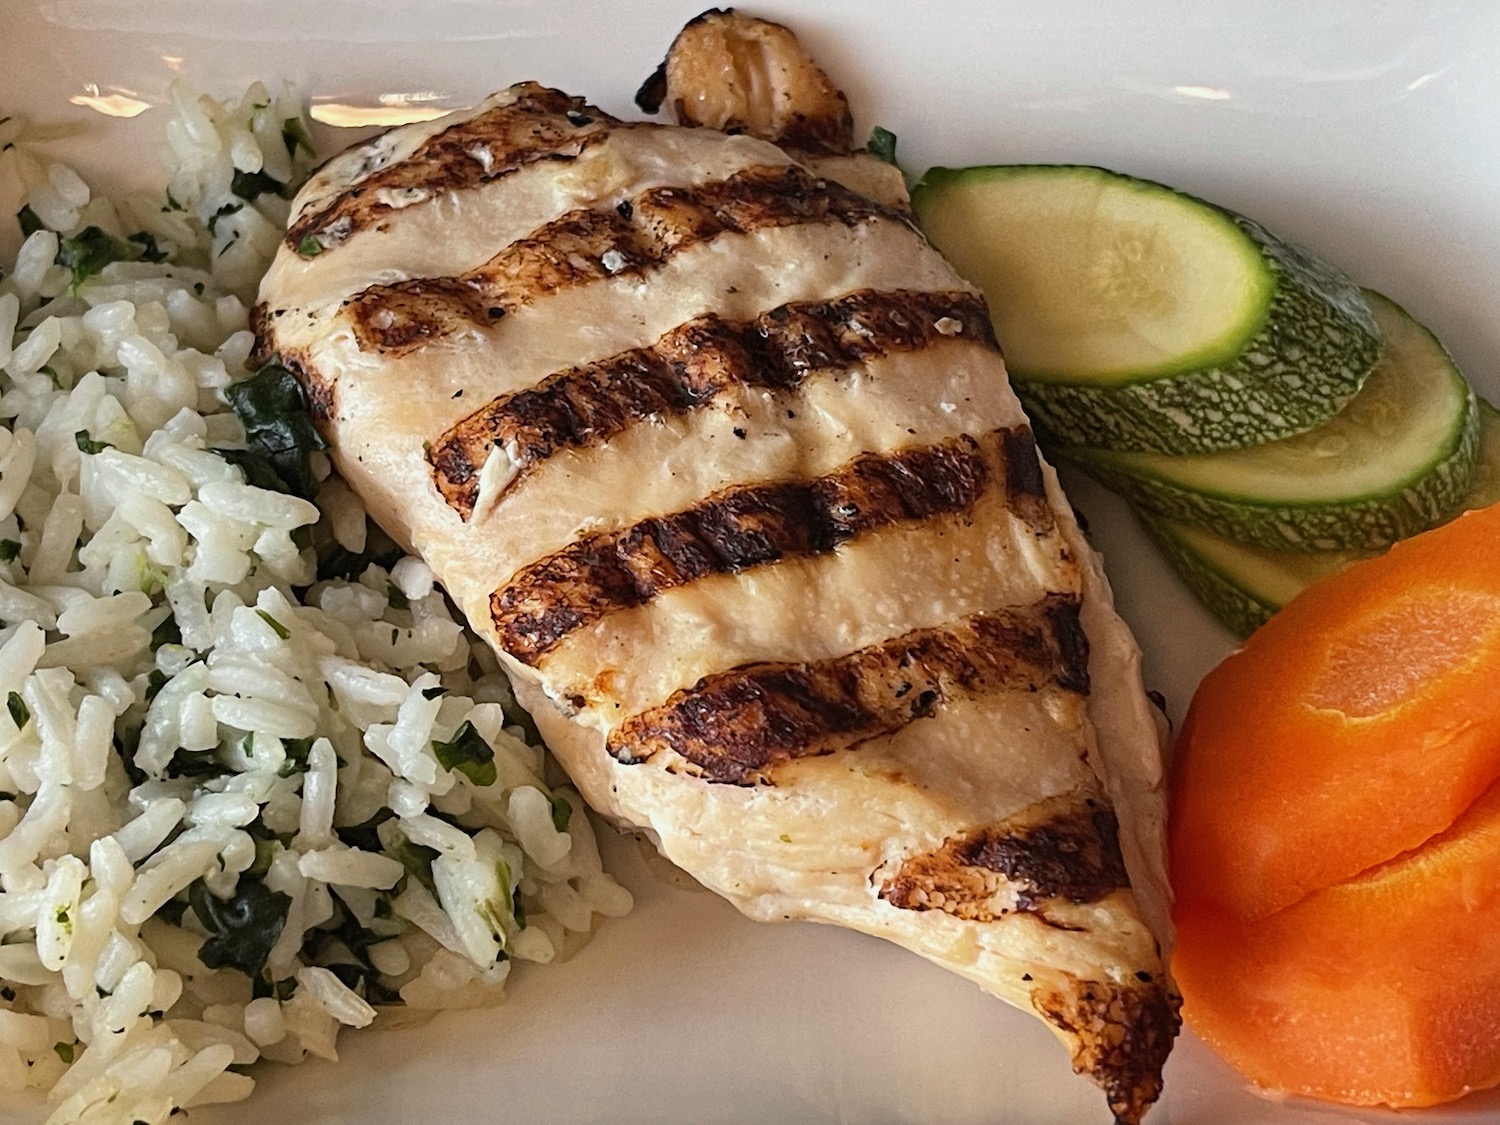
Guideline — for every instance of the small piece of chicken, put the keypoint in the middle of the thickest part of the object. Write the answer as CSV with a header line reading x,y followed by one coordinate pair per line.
x,y
721,457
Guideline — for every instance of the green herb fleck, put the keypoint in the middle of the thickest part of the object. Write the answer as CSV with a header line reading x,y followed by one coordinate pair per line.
x,y
249,185
294,134
194,763
273,409
363,835
64,1051
172,911
156,679
244,927
309,247
882,145
380,550
227,209
280,630
296,750
150,251
87,444
30,224
257,468
89,251
62,917
416,858
167,633
10,550
562,812
469,754
397,599
20,714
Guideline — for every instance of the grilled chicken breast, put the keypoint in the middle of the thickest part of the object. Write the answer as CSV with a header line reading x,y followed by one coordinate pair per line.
x,y
721,457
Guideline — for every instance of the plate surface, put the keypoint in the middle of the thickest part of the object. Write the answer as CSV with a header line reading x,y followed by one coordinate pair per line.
x,y
1368,132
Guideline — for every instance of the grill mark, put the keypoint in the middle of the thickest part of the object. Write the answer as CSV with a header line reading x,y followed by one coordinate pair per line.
x,y
735,726
589,245
541,124
683,370
1124,1033
734,530
1025,488
1066,851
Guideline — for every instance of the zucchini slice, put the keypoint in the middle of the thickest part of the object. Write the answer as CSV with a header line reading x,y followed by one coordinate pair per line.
x,y
1133,316
1242,585
1397,460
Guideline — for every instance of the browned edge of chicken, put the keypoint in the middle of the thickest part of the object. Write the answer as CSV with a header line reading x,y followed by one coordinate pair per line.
x,y
729,72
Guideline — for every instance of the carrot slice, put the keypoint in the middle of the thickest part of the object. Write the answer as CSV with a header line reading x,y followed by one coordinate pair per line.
x,y
1381,990
1359,722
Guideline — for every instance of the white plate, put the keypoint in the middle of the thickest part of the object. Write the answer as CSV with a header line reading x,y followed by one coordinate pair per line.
x,y
1369,132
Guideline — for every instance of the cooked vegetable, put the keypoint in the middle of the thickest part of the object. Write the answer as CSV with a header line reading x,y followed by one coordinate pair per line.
x,y
90,250
469,754
1397,460
274,411
1242,584
1136,317
882,144
243,928
1355,725
1382,989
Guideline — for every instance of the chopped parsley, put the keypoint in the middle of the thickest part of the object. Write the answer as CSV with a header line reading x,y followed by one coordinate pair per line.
x,y
394,595
276,626
89,251
249,185
309,247
273,409
10,550
256,467
243,928
20,714
467,753
29,221
294,135
562,812
167,633
87,444
882,145
227,209
296,750
339,562
149,250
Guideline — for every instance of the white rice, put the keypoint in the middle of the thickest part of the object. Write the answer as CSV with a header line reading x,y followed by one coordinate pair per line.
x,y
203,739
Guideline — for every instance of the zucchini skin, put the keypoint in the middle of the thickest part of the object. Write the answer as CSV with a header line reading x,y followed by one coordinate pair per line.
x,y
1361,524
1313,351
1225,595
1233,607
1315,345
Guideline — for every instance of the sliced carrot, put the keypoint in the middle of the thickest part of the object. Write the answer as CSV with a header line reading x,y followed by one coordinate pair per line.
x,y
1359,722
1382,990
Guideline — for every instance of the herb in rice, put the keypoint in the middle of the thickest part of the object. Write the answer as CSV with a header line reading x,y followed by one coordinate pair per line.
x,y
256,781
